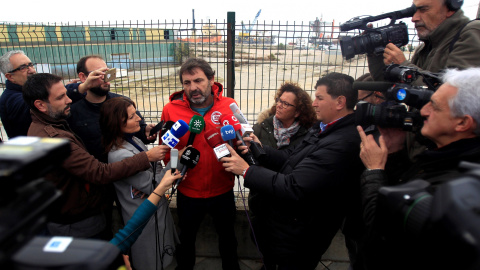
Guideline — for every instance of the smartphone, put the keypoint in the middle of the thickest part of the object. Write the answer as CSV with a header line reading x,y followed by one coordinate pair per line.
x,y
110,75
156,128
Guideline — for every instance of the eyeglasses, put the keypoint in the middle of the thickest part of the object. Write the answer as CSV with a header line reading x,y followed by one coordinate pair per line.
x,y
284,103
365,97
22,67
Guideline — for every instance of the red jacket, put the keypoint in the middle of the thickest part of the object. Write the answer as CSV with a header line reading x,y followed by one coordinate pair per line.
x,y
208,178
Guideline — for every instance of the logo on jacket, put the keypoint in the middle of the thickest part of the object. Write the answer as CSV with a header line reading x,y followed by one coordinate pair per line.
x,y
216,117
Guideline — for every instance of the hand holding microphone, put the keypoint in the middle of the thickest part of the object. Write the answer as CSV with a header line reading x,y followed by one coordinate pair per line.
x,y
234,164
189,160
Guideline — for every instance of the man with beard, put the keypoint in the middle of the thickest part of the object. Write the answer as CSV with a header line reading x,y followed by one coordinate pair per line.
x,y
208,188
14,112
85,114
79,211
449,40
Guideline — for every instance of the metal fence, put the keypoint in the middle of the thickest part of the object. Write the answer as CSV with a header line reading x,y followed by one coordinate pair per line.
x,y
147,55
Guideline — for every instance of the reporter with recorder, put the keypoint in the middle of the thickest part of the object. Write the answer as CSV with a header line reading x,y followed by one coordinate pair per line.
x,y
208,188
155,247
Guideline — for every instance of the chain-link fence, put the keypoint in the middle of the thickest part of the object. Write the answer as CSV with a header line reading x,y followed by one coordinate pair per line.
x,y
147,56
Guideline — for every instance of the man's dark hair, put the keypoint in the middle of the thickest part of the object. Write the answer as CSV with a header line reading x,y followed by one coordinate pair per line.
x,y
192,63
81,64
339,84
37,87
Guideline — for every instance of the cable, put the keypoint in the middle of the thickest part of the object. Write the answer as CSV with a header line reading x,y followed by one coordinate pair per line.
x,y
249,222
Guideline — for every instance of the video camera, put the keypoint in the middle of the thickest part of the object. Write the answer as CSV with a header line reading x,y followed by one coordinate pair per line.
x,y
26,198
443,222
401,110
375,40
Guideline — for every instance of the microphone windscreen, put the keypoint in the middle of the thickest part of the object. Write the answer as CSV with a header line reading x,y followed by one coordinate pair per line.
x,y
238,113
228,133
372,86
173,158
190,157
179,128
213,138
196,124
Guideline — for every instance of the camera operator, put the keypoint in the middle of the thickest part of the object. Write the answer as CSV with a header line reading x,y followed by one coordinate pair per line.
x,y
450,40
452,120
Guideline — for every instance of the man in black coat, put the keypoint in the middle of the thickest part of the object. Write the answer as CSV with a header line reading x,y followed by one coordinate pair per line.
x,y
452,122
309,187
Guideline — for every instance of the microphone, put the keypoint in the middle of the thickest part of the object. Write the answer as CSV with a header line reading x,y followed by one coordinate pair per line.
x,y
246,127
166,127
372,86
214,139
196,126
228,134
171,137
189,159
173,159
229,118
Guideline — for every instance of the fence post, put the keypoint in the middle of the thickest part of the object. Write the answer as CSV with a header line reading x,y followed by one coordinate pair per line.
x,y
230,54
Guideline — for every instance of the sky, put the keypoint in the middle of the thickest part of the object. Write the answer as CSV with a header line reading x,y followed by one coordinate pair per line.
x,y
147,10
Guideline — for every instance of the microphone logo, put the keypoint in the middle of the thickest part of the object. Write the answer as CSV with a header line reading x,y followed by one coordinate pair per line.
x,y
197,123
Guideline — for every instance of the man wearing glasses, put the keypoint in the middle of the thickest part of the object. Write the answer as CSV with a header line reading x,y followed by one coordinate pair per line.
x,y
14,112
85,114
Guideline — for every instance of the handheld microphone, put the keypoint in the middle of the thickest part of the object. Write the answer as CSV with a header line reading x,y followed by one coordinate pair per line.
x,y
196,126
228,134
189,159
214,139
173,159
166,127
229,118
246,127
171,137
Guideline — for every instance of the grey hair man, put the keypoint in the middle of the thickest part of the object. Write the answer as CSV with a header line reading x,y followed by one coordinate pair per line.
x,y
452,120
14,112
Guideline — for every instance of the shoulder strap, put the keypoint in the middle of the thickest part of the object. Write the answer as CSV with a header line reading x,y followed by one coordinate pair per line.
x,y
455,38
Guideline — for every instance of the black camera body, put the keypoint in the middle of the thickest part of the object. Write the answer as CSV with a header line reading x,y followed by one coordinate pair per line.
x,y
401,110
375,40
442,220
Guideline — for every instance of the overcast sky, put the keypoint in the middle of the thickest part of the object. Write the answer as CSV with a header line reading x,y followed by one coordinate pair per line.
x,y
114,10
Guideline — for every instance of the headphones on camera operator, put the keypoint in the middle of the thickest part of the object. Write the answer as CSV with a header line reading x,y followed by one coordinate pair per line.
x,y
454,5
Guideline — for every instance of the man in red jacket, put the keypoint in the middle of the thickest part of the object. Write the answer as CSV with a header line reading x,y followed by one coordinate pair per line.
x,y
208,187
